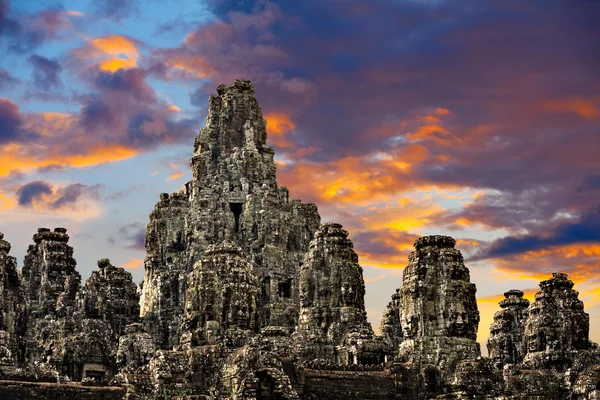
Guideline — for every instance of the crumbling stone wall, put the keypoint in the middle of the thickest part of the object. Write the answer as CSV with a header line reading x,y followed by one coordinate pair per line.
x,y
19,390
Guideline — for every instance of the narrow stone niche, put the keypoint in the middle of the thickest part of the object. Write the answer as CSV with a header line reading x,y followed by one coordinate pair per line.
x,y
236,209
285,289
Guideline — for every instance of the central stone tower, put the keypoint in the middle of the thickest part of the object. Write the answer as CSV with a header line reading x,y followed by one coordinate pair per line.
x,y
233,195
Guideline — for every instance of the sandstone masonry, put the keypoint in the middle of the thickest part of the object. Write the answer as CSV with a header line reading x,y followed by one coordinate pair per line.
x,y
246,296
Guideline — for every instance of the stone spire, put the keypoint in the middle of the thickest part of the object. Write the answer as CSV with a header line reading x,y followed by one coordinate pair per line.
x,y
49,276
233,195
556,327
12,307
505,344
166,267
50,284
390,327
438,309
332,295
110,295
234,124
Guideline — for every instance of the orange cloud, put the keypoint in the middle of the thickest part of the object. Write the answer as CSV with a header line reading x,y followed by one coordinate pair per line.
x,y
435,133
375,278
278,126
15,156
134,263
115,45
355,180
442,111
405,215
7,203
72,13
196,66
391,240
74,202
115,64
494,300
587,108
175,175
579,261
110,53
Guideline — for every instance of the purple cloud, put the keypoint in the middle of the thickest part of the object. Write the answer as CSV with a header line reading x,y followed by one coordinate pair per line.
x,y
585,230
10,121
26,194
46,72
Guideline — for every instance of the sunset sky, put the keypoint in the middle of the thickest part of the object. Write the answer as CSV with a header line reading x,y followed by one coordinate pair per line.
x,y
474,119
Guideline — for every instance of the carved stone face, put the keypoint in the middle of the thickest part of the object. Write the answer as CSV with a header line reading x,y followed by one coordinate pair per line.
x,y
306,292
533,343
458,321
410,326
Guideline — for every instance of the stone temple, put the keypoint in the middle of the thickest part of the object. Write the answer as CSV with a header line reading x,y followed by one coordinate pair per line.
x,y
247,296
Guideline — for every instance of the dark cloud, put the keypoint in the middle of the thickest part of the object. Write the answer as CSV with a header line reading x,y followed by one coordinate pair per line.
x,y
26,194
131,81
46,72
521,81
6,79
10,121
591,182
69,195
96,113
372,242
50,169
52,198
126,110
223,7
198,97
21,34
398,57
585,230
117,9
124,193
130,236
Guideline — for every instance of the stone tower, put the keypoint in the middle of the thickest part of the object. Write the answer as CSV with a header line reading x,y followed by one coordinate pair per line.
x,y
12,308
50,280
332,296
505,344
390,327
556,327
110,295
165,268
438,310
233,194
222,300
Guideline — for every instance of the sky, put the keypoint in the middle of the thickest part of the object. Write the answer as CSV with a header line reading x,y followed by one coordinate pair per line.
x,y
398,118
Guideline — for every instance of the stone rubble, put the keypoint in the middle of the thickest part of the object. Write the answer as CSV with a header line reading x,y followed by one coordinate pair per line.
x,y
246,296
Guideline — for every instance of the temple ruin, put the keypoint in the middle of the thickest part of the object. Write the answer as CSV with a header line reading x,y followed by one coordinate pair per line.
x,y
247,296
